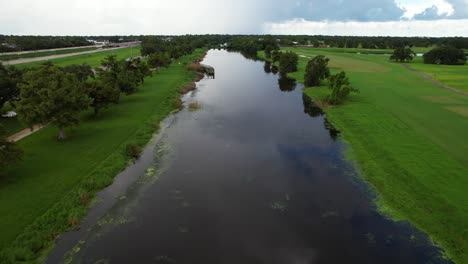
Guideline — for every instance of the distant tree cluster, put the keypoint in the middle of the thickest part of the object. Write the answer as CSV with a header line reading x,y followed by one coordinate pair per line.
x,y
250,45
445,55
19,43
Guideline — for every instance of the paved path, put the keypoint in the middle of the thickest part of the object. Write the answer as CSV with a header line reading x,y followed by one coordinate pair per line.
x,y
45,58
24,133
434,81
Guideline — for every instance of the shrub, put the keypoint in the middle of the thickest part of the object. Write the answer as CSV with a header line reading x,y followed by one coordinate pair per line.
x,y
133,151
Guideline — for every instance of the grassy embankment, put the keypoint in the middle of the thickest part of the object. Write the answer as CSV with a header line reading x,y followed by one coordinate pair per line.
x,y
48,192
408,137
8,57
13,125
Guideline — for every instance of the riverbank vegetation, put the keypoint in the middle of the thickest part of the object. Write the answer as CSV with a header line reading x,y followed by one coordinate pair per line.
x,y
40,200
407,136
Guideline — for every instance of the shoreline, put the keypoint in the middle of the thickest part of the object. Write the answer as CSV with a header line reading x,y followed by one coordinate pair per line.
x,y
39,237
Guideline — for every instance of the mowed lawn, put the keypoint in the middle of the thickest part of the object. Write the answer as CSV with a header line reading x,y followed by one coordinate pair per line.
x,y
51,169
408,137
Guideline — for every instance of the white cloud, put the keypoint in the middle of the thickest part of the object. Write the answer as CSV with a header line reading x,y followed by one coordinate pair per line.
x,y
435,28
414,7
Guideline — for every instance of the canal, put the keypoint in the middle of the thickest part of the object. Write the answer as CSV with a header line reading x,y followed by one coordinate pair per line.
x,y
251,173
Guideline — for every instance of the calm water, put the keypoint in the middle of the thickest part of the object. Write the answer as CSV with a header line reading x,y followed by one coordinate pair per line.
x,y
253,176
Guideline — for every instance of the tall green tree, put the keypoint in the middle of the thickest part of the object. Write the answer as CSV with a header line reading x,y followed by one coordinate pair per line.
x,y
316,71
9,79
50,95
275,56
103,93
159,59
402,54
288,62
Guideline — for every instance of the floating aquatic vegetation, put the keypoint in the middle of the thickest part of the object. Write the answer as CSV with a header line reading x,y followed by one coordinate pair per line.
x,y
330,214
70,254
370,238
279,206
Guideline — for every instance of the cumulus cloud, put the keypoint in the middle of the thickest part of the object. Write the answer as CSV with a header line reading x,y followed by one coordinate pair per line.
x,y
438,28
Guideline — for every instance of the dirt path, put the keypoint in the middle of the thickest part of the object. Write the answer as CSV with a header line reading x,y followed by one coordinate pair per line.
x,y
24,133
434,81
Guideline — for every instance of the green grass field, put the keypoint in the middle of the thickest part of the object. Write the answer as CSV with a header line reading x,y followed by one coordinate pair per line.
x,y
366,51
40,194
408,137
43,53
455,76
93,59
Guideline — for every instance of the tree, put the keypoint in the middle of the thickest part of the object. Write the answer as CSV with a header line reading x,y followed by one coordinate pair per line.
x,y
402,54
159,59
445,55
9,79
288,62
341,88
82,72
102,93
275,56
268,50
50,95
10,153
316,71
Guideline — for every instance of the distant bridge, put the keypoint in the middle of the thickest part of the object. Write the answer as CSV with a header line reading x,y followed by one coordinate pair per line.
x,y
208,70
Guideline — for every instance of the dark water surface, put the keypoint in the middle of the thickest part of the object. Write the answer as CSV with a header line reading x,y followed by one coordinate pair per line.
x,y
253,176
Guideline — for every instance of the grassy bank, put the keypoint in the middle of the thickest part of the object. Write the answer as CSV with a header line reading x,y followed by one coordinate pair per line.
x,y
408,137
8,57
48,192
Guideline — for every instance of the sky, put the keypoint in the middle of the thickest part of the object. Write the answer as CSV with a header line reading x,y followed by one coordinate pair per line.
x,y
175,17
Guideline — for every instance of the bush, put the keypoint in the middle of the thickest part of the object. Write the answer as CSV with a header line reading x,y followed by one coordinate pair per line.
x,y
445,55
133,151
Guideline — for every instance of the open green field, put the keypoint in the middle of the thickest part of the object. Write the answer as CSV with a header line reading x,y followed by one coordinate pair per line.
x,y
43,53
366,51
408,137
93,59
38,198
13,125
